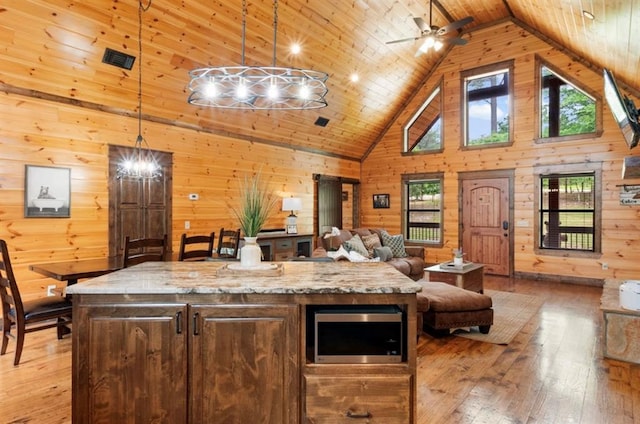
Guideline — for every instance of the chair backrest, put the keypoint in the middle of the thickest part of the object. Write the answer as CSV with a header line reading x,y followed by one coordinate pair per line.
x,y
12,308
228,243
196,247
144,250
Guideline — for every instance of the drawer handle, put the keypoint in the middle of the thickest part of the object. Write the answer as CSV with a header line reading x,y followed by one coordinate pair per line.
x,y
350,414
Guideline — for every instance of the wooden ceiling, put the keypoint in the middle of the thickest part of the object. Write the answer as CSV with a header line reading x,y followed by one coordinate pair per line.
x,y
54,48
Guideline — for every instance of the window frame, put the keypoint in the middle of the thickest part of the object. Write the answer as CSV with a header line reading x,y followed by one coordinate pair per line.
x,y
539,63
407,179
407,145
478,72
594,168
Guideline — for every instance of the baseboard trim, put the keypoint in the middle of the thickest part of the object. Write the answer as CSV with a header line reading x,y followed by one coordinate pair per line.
x,y
583,281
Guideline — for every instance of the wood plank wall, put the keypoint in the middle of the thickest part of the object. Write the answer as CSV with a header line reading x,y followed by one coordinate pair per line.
x,y
39,132
382,169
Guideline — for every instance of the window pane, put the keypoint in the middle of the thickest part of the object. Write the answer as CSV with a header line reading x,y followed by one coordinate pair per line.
x,y
424,211
488,108
424,130
568,212
565,109
431,139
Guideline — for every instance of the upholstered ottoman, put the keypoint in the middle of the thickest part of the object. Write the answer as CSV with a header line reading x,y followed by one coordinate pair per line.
x,y
448,307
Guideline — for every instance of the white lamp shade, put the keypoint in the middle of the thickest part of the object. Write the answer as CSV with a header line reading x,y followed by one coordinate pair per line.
x,y
291,204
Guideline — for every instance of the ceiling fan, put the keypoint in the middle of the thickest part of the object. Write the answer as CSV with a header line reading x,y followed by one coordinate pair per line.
x,y
434,36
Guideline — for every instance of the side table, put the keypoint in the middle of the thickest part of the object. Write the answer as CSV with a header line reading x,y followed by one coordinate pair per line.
x,y
469,277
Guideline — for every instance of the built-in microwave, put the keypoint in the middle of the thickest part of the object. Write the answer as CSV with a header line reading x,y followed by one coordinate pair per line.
x,y
358,334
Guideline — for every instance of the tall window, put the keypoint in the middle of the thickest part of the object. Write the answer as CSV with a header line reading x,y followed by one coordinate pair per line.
x,y
568,211
423,132
423,208
565,109
487,114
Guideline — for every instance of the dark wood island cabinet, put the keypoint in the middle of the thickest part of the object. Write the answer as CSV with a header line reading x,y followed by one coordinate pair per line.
x,y
174,342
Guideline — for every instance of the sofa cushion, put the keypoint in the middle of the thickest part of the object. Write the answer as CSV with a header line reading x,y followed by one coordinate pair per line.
x,y
355,243
401,265
371,242
396,243
361,232
383,252
416,264
333,243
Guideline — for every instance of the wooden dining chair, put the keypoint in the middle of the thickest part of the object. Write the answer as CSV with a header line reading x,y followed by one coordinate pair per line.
x,y
228,243
196,248
142,250
29,316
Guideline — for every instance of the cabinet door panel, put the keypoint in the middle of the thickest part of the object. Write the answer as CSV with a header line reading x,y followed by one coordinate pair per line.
x,y
244,367
136,365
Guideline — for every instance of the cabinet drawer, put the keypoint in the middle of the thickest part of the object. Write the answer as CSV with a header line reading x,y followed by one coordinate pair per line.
x,y
283,256
382,399
284,244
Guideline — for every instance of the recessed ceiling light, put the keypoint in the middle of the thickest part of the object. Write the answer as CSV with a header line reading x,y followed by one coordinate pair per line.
x,y
354,77
295,48
588,15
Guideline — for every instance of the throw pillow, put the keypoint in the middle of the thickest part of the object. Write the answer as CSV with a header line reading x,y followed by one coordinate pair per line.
x,y
371,242
355,243
383,252
396,243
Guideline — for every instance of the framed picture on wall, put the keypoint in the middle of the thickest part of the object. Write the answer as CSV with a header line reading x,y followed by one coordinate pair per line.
x,y
47,192
380,201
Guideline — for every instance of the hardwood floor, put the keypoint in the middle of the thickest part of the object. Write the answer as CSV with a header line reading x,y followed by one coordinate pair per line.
x,y
552,372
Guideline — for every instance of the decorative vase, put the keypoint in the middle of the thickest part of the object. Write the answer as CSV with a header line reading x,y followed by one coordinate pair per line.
x,y
250,253
458,261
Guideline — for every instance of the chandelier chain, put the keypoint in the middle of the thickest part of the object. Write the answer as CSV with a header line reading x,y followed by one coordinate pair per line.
x,y
141,164
275,29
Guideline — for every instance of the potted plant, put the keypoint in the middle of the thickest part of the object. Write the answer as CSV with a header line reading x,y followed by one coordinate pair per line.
x,y
257,202
458,257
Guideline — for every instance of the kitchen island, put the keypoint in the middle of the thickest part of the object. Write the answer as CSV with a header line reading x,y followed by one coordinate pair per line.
x,y
180,342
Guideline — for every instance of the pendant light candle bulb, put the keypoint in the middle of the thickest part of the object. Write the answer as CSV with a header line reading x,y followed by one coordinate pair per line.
x,y
273,92
304,91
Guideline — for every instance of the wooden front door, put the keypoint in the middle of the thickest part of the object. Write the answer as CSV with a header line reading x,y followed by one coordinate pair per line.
x,y
486,222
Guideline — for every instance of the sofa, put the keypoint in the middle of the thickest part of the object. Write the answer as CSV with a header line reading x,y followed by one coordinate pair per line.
x,y
409,260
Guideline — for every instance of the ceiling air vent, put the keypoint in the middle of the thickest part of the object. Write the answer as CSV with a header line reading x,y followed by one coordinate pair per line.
x,y
321,122
119,59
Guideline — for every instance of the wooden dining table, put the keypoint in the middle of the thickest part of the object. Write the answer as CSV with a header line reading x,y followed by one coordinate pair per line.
x,y
72,271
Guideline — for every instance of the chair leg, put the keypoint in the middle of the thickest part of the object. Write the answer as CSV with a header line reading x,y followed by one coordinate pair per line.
x,y
19,344
6,332
5,341
62,328
484,329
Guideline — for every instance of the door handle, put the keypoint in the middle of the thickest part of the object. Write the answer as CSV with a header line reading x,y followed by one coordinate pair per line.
x,y
505,225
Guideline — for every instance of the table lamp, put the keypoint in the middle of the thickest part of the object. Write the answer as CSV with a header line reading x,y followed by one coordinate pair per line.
x,y
292,204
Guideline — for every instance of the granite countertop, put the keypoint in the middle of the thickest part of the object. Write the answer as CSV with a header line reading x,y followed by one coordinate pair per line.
x,y
296,278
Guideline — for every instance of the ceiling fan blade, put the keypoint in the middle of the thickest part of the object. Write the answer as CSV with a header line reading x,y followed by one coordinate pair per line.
x,y
455,40
455,25
421,24
403,40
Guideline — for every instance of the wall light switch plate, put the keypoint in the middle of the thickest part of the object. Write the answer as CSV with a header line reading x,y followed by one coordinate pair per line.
x,y
193,196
